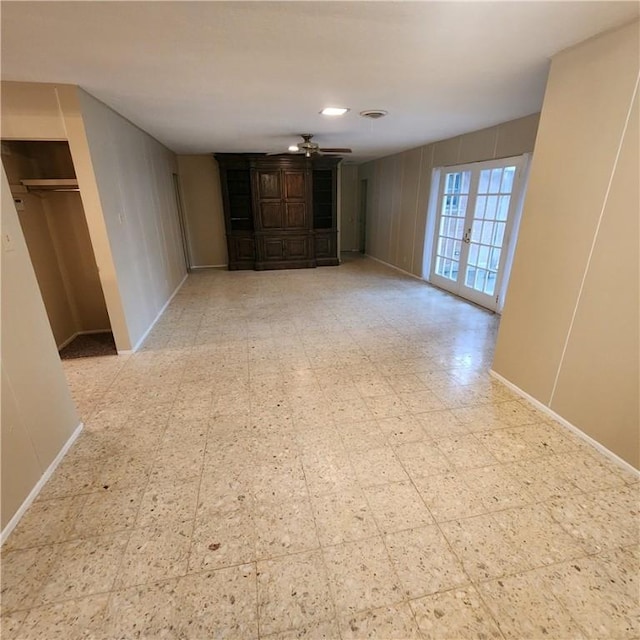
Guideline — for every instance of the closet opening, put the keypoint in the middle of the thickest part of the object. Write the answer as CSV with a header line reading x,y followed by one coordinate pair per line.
x,y
45,190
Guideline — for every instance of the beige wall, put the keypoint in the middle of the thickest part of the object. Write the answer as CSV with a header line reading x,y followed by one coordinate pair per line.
x,y
134,175
33,433
349,202
399,185
204,215
203,212
569,331
70,236
35,227
126,184
57,237
39,111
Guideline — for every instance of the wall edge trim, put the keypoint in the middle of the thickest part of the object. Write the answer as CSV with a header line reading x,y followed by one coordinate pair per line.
x,y
393,266
33,494
208,266
162,310
565,423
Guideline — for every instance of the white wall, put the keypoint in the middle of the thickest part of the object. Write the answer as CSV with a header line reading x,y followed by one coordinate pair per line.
x,y
134,175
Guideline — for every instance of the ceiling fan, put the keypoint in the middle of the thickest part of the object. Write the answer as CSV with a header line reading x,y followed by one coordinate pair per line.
x,y
310,148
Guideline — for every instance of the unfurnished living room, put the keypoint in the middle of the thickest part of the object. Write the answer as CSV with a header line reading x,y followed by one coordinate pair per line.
x,y
320,320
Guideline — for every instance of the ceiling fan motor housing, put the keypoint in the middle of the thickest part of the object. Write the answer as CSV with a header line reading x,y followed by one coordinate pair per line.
x,y
307,146
310,148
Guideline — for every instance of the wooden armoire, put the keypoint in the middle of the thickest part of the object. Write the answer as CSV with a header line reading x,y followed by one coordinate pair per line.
x,y
280,211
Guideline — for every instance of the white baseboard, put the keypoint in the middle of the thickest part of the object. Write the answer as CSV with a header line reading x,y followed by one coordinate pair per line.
x,y
146,333
68,341
38,487
565,423
209,266
393,266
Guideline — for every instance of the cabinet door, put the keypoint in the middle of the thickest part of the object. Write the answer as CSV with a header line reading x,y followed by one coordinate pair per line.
x,y
279,252
295,187
297,248
295,215
274,249
242,251
271,215
269,184
325,246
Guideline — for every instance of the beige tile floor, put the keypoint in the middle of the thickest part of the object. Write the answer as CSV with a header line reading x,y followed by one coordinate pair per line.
x,y
320,454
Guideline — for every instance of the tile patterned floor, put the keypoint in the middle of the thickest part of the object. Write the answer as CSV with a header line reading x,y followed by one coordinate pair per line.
x,y
320,454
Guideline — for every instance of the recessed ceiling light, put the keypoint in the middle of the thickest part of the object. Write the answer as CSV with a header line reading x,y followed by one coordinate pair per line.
x,y
334,111
294,147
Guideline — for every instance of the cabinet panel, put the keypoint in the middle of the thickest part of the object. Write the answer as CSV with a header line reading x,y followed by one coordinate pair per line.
x,y
325,248
296,215
294,185
269,184
242,251
297,248
271,215
274,248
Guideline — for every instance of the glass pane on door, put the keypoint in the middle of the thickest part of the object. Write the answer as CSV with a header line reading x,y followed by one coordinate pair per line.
x,y
453,209
488,228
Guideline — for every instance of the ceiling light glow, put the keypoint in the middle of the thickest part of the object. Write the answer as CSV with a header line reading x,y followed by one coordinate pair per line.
x,y
334,111
294,147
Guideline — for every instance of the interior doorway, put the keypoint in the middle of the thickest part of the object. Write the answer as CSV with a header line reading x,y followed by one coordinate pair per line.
x,y
181,219
476,208
45,191
362,217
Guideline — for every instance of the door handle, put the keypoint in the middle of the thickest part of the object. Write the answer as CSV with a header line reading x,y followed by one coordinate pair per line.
x,y
467,236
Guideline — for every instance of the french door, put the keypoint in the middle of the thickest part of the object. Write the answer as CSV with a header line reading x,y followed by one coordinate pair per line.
x,y
476,205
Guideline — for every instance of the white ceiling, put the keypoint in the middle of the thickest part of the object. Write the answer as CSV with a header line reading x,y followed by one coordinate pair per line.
x,y
250,76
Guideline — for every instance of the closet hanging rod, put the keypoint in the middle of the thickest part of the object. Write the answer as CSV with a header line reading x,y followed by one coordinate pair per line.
x,y
70,184
68,190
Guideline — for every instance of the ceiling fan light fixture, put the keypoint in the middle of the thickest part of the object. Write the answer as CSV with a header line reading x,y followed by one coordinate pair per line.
x,y
294,147
334,111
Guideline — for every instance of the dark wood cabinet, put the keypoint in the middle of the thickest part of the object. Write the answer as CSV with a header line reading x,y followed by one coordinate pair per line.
x,y
280,211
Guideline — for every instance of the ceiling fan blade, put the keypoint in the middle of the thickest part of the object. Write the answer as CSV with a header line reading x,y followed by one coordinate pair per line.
x,y
336,150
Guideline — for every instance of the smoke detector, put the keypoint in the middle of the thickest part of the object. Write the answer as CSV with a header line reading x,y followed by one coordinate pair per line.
x,y
374,114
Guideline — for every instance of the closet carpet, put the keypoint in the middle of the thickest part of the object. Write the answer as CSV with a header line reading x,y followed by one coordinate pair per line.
x,y
90,345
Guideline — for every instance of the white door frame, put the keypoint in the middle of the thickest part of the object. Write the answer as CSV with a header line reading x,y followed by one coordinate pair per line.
x,y
493,302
